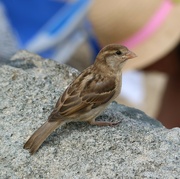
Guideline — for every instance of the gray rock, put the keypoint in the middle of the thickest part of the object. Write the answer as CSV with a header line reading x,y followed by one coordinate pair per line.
x,y
139,147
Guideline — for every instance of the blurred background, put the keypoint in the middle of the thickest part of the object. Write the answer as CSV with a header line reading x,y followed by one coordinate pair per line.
x,y
73,32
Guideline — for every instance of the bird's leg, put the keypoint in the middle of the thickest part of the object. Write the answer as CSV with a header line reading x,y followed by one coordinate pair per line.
x,y
103,123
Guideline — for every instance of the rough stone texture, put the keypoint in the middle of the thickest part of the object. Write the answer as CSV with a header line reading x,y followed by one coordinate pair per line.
x,y
140,147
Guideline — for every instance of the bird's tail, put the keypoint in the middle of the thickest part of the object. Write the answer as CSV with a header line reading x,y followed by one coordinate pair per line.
x,y
40,136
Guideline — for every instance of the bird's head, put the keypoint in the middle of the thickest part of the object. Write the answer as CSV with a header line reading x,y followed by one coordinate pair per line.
x,y
114,56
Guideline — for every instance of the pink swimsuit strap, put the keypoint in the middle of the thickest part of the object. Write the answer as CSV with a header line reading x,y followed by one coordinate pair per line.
x,y
154,23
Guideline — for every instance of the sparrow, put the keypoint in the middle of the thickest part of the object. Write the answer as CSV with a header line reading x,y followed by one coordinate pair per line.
x,y
88,95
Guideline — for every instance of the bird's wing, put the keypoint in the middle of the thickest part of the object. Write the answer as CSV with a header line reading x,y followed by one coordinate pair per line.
x,y
82,97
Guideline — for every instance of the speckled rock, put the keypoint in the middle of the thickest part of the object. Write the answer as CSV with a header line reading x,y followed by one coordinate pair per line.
x,y
139,147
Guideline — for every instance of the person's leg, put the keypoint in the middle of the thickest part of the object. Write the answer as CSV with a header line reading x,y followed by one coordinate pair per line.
x,y
169,112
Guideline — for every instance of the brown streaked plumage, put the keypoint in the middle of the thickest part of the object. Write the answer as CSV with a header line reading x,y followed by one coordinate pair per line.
x,y
88,95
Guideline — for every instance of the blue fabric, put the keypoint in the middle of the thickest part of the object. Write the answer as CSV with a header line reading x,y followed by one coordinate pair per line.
x,y
28,16
32,18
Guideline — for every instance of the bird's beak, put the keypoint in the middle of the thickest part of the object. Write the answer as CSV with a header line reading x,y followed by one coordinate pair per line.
x,y
130,55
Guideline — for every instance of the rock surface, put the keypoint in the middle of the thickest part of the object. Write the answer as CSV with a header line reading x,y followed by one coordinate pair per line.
x,y
140,147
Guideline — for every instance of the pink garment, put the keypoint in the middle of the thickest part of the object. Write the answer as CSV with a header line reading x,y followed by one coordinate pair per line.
x,y
154,23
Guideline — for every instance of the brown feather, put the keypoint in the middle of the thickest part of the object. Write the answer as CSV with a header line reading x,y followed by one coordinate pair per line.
x,y
88,95
96,91
39,136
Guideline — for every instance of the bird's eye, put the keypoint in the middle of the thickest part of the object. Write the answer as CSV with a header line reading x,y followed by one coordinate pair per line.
x,y
118,52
